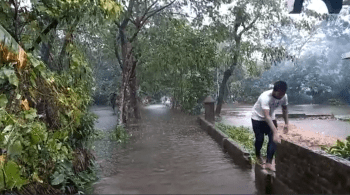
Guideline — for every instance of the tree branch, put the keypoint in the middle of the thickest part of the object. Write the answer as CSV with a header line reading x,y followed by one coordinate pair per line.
x,y
250,25
117,53
128,14
46,31
158,10
143,22
146,12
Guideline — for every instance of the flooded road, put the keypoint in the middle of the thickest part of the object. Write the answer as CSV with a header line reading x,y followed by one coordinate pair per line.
x,y
240,115
167,153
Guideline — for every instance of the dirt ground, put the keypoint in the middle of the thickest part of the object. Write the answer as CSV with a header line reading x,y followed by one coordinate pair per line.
x,y
305,138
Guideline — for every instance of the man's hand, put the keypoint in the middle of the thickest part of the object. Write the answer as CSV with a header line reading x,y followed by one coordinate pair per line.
x,y
276,138
285,128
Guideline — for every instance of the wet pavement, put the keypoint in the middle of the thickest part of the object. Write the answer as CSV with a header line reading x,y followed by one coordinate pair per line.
x,y
240,115
167,153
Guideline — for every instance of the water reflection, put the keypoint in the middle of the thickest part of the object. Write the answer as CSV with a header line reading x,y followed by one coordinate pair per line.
x,y
156,106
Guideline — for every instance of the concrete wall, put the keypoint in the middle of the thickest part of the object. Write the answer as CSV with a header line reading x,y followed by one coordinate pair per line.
x,y
307,171
298,169
237,152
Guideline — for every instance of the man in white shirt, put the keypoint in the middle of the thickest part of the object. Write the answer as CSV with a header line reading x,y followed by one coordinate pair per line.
x,y
264,120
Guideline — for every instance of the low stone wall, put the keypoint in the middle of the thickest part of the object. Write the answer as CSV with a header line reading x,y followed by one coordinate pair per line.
x,y
298,169
237,152
306,171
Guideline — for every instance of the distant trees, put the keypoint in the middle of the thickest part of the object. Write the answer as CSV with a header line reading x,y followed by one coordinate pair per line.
x,y
320,74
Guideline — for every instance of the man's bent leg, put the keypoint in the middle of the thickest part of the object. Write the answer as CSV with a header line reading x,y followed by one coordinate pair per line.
x,y
259,136
271,147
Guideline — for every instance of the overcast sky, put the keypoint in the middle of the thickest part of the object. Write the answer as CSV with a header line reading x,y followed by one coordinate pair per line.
x,y
317,5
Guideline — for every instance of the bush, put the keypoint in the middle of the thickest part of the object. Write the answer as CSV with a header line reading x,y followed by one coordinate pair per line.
x,y
45,126
341,149
120,135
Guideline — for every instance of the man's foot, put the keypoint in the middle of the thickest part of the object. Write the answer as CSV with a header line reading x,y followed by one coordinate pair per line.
x,y
259,160
269,166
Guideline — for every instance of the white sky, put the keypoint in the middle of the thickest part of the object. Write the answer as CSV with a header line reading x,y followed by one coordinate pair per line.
x,y
316,5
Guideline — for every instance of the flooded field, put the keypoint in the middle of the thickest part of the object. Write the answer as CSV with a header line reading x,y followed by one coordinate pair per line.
x,y
239,115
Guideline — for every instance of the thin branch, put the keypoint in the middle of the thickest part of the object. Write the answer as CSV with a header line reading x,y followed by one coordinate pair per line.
x,y
132,20
46,31
143,22
181,14
149,8
250,25
117,23
129,12
158,10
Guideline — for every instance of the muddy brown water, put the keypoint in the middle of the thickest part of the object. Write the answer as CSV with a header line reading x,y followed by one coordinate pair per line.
x,y
167,153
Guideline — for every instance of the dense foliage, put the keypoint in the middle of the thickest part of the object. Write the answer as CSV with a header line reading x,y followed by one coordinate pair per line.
x,y
178,61
46,125
46,128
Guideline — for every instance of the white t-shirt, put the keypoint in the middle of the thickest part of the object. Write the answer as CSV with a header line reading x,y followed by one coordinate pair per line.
x,y
267,101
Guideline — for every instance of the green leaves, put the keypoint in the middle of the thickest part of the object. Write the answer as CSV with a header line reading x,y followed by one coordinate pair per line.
x,y
15,149
38,134
64,175
120,134
58,179
8,74
10,176
3,100
341,149
30,114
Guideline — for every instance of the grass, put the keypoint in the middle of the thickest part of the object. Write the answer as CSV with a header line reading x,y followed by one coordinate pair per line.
x,y
244,137
120,135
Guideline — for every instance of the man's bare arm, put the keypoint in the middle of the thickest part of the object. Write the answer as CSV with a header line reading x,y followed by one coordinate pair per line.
x,y
268,119
285,114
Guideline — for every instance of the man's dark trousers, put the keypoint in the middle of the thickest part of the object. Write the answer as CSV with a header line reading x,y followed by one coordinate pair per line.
x,y
260,129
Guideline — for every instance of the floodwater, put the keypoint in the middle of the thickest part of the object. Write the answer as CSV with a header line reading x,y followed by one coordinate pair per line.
x,y
167,153
240,115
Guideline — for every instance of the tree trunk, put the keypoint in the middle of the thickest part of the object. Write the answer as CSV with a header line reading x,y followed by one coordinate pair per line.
x,y
45,52
129,100
63,53
126,47
133,95
227,75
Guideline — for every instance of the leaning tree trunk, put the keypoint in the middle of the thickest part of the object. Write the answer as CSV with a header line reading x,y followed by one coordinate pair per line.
x,y
227,75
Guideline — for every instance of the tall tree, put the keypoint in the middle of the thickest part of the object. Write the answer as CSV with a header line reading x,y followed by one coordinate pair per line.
x,y
248,21
177,61
136,16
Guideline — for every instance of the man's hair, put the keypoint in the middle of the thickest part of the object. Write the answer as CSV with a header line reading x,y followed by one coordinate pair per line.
x,y
280,86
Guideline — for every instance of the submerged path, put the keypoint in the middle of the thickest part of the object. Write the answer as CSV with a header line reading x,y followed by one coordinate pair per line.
x,y
167,153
